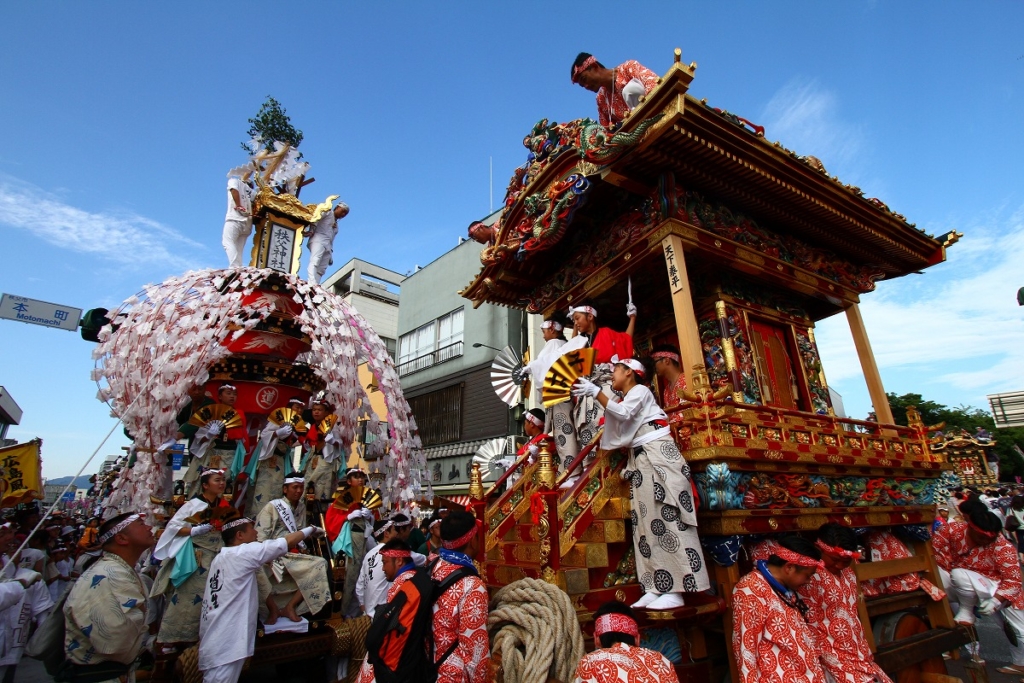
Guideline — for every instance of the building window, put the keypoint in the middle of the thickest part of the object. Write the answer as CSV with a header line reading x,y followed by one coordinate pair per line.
x,y
436,342
439,415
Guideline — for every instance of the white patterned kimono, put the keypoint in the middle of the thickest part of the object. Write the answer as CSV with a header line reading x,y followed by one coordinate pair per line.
x,y
662,508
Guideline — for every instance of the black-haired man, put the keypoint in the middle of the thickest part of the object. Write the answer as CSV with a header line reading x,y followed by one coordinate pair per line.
x,y
105,613
619,657
227,629
771,639
980,570
831,596
618,90
460,614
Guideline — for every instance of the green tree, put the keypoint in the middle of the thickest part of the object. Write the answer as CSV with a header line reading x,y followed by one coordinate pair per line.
x,y
968,418
272,123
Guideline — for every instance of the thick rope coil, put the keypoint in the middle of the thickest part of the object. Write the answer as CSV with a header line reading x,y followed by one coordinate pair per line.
x,y
533,627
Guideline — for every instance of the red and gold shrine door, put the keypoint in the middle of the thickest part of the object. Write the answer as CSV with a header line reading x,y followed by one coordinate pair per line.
x,y
774,368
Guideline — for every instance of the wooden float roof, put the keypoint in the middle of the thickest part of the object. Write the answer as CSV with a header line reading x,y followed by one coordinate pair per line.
x,y
715,153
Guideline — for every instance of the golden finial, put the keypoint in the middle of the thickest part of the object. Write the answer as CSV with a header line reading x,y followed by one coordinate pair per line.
x,y
678,55
476,485
545,472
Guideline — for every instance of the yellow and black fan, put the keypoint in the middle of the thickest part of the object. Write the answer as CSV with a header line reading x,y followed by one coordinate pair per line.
x,y
563,374
216,412
327,424
283,416
348,497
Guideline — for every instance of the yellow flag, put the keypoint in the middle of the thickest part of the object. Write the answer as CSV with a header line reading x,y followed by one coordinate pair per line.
x,y
20,474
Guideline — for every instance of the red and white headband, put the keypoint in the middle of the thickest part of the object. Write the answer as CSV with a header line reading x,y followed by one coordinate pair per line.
x,y
210,472
631,363
836,551
979,530
551,325
583,309
462,540
665,355
587,63
395,552
796,558
533,419
118,528
615,623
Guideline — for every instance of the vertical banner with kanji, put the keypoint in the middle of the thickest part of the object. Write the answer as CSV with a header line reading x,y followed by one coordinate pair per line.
x,y
21,478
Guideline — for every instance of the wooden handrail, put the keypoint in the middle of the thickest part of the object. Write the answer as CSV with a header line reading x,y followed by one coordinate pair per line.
x,y
501,480
874,427
579,457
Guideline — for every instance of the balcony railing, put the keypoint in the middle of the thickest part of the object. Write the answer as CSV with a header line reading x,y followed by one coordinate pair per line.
x,y
441,355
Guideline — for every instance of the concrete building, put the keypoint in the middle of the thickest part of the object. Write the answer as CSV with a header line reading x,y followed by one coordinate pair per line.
x,y
10,414
374,292
446,379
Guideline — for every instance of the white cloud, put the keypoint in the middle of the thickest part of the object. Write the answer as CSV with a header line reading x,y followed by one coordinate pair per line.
x,y
958,325
804,117
120,236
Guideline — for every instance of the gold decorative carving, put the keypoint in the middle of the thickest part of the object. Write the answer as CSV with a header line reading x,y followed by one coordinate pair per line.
x,y
545,551
749,257
620,595
476,486
545,470
506,574
548,574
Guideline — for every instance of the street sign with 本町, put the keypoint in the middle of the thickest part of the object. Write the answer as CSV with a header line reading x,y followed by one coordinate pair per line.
x,y
23,309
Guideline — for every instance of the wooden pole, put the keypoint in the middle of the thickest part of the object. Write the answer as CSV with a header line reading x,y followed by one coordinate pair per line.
x,y
682,305
883,413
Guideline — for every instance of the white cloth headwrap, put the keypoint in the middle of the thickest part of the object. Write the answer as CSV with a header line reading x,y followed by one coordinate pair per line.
x,y
631,363
118,528
238,522
551,325
294,480
582,309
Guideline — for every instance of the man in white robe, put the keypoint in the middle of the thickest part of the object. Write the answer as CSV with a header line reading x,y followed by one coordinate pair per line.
x,y
227,628
558,418
298,577
237,221
321,242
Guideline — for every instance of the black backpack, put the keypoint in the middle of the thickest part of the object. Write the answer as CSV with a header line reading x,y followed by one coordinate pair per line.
x,y
400,643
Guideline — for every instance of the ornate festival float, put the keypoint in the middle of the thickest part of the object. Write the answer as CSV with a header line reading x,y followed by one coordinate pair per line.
x,y
279,341
733,248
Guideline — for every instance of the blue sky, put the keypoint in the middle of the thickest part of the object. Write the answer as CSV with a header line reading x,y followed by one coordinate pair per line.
x,y
120,120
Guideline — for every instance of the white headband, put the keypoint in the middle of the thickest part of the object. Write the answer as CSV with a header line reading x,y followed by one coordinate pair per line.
x,y
534,419
236,522
583,309
294,480
380,532
551,325
118,528
227,386
631,363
